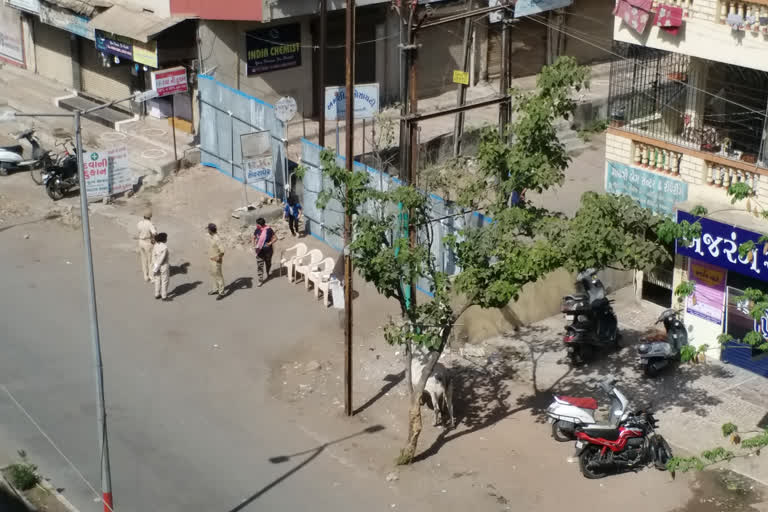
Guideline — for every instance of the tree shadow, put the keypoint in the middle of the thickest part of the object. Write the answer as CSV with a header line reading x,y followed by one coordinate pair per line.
x,y
391,380
482,392
184,288
313,454
180,269
241,283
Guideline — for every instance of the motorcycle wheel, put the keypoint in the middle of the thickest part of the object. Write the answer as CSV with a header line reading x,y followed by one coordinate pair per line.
x,y
559,434
662,453
54,192
650,371
3,171
590,454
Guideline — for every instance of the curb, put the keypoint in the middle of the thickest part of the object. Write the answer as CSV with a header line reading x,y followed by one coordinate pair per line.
x,y
56,494
45,485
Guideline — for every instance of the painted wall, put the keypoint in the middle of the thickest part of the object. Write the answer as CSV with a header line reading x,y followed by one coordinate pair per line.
x,y
702,36
160,7
218,9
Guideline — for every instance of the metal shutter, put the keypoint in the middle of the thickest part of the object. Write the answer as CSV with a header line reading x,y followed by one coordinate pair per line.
x,y
109,83
529,48
53,53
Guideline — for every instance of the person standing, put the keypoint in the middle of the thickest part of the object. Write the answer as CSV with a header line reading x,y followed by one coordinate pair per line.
x,y
147,234
293,214
216,257
263,239
161,268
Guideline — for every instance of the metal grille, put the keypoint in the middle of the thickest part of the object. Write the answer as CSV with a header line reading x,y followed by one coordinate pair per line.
x,y
703,105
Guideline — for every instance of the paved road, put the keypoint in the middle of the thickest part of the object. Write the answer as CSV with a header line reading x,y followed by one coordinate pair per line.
x,y
191,426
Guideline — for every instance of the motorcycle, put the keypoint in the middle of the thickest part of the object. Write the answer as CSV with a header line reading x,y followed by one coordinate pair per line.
x,y
593,323
657,353
60,178
568,414
12,157
630,445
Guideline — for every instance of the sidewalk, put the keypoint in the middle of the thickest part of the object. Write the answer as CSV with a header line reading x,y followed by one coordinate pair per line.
x,y
149,141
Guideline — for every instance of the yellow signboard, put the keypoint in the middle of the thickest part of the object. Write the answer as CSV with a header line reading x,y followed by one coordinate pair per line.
x,y
460,77
145,53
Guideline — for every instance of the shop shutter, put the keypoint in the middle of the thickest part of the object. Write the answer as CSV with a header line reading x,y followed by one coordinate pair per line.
x,y
529,48
53,53
109,83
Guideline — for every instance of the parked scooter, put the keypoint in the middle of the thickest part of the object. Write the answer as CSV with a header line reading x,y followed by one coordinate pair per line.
x,y
655,354
12,157
594,324
60,178
569,414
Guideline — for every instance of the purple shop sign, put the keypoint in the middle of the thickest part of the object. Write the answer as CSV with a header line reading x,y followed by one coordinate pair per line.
x,y
709,293
114,45
719,245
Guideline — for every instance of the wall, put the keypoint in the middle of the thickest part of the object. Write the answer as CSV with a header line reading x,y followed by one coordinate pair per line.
x,y
218,9
701,37
589,20
160,7
53,53
222,44
439,53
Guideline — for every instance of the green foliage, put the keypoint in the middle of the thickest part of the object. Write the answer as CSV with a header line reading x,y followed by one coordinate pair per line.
x,y
668,231
728,429
739,191
685,289
746,248
699,211
749,446
23,475
687,353
596,126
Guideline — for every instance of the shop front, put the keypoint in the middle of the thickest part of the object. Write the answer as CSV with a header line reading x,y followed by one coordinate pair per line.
x,y
720,276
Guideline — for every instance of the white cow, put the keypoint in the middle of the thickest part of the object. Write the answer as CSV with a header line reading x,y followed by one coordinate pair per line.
x,y
439,387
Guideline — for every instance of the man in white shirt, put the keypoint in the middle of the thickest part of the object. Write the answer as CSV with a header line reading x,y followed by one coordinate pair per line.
x,y
161,269
147,234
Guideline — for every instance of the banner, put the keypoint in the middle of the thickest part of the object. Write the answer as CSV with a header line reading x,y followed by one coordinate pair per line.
x,y
107,172
652,190
11,45
529,7
126,48
273,48
27,5
65,20
366,102
709,293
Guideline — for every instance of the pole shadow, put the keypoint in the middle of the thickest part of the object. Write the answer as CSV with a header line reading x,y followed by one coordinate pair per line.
x,y
391,380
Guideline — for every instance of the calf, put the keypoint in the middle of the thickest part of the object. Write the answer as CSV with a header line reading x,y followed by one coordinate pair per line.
x,y
439,387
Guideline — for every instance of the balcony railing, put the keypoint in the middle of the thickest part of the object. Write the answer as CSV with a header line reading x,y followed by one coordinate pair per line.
x,y
656,158
750,12
724,176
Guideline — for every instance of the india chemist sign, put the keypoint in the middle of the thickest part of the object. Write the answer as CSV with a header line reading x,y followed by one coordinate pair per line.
x,y
273,48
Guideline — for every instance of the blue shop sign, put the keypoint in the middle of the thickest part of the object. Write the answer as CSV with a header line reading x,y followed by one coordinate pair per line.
x,y
652,190
113,44
719,244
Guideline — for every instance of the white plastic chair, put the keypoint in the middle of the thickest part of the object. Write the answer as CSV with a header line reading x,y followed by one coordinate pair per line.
x,y
288,261
305,264
319,274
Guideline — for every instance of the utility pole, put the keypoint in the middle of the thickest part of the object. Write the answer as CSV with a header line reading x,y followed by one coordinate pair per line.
x,y
323,50
503,80
405,34
461,90
413,143
349,131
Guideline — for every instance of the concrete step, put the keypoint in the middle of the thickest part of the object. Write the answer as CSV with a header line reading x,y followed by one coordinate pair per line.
x,y
109,117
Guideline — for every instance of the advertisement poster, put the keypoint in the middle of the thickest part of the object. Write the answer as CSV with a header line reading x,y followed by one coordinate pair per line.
x,y
169,81
709,294
114,45
366,102
65,20
529,7
145,53
654,191
107,172
11,46
273,48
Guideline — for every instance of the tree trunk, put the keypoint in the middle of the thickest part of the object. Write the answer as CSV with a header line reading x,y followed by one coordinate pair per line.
x,y
414,431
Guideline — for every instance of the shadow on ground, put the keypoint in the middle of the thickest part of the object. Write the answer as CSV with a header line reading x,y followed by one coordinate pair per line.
x,y
9,502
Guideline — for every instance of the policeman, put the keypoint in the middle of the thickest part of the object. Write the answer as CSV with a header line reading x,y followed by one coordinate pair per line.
x,y
161,268
216,257
147,234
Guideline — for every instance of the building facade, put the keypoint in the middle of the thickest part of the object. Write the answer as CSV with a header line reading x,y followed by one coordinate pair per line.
x,y
687,107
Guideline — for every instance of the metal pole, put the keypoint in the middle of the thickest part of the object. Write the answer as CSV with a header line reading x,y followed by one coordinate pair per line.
x,y
461,91
405,36
503,107
350,153
173,122
413,143
362,153
337,134
321,78
286,185
101,412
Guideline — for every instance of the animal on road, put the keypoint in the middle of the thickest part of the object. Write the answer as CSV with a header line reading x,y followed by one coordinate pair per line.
x,y
439,387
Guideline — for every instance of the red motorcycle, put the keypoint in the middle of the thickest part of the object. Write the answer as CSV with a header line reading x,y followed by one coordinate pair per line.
x,y
604,450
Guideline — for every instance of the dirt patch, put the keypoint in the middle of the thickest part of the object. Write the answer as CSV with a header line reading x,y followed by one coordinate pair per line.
x,y
42,497
724,491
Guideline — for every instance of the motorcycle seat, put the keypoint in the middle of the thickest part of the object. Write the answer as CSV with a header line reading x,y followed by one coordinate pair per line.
x,y
13,149
607,433
582,402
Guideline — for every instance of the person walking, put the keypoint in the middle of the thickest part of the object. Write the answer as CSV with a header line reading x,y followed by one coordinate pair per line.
x,y
216,257
147,234
263,239
293,214
161,268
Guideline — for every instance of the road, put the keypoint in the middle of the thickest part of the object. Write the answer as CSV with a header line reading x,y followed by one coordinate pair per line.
x,y
192,426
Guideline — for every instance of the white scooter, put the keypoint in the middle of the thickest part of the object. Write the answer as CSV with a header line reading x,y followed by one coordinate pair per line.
x,y
12,157
568,413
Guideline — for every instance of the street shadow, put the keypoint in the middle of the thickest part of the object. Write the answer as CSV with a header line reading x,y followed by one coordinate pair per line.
x,y
482,390
183,288
49,216
9,502
180,269
312,453
391,380
241,283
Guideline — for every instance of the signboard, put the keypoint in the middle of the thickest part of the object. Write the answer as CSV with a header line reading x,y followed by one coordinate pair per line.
x,y
529,7
460,77
107,172
125,48
709,291
258,169
273,48
65,20
170,81
27,5
145,96
366,102
11,45
719,245
495,16
654,191
285,109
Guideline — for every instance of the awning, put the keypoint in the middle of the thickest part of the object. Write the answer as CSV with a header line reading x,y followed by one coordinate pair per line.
x,y
137,25
82,8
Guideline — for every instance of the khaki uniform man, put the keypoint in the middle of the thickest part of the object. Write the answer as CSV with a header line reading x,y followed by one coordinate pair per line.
x,y
161,268
147,234
216,257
